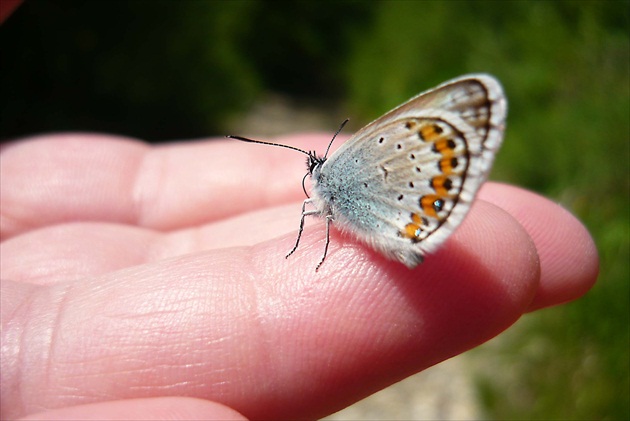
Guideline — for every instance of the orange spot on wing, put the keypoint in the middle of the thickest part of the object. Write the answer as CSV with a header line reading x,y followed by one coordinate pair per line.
x,y
430,132
441,184
448,165
444,146
428,204
414,229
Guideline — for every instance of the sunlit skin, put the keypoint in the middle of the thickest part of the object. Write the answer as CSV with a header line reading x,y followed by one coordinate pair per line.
x,y
151,282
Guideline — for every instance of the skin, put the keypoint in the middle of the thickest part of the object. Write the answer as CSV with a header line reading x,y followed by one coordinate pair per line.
x,y
7,7
150,282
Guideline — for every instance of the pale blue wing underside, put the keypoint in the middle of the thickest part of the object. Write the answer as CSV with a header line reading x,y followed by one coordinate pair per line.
x,y
403,183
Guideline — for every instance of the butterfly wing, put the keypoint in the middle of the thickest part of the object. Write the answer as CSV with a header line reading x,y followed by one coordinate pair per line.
x,y
478,99
405,182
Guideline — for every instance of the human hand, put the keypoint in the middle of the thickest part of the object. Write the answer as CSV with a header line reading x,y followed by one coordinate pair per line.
x,y
135,276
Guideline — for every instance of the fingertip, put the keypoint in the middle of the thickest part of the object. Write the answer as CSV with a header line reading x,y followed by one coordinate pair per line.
x,y
569,261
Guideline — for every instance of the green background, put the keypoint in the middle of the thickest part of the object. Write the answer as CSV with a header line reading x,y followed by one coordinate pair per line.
x,y
163,70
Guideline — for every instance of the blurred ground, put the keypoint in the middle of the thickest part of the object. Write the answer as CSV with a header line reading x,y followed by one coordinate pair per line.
x,y
275,115
443,392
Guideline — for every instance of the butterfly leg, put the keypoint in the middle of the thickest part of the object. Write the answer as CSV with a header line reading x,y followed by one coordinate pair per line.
x,y
304,214
329,219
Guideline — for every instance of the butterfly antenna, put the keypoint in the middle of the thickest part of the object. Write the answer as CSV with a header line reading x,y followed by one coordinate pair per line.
x,y
333,139
245,139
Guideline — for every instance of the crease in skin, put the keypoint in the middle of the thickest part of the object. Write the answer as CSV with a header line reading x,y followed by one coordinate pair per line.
x,y
56,298
12,344
149,173
26,342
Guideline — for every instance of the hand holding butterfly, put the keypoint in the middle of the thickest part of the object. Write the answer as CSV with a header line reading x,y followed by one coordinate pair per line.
x,y
134,276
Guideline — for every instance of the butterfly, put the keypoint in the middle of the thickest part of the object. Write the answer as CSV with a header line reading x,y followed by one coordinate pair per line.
x,y
405,182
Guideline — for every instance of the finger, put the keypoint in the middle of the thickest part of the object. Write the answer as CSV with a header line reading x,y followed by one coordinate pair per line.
x,y
271,338
568,256
567,253
78,177
7,7
70,252
163,408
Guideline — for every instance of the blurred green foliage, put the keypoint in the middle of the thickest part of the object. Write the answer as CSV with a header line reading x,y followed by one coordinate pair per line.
x,y
566,70
172,70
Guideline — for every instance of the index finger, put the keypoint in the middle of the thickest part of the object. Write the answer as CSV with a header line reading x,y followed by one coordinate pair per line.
x,y
85,177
